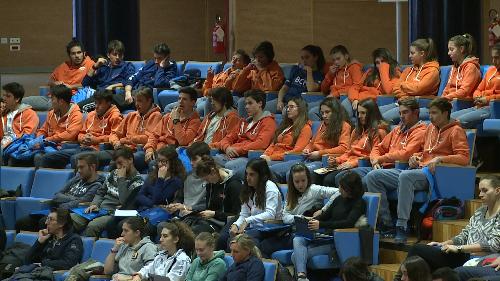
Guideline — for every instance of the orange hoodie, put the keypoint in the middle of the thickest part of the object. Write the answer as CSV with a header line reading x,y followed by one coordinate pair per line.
x,y
64,128
418,81
490,85
283,144
222,79
135,129
25,121
324,147
270,78
449,143
71,74
344,77
228,123
360,147
167,132
101,127
250,135
399,144
463,79
381,86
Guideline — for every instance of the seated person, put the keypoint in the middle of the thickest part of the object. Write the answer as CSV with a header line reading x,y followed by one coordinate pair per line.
x,y
377,80
247,264
173,261
413,268
355,269
370,130
419,79
222,120
137,127
445,274
223,189
131,252
69,73
254,133
109,75
263,74
488,269
99,124
481,234
178,127
261,200
208,265
17,118
79,189
344,212
444,142
156,73
117,192
488,89
57,246
332,137
305,77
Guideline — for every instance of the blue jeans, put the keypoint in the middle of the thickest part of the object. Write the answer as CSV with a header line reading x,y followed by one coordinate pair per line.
x,y
409,181
469,118
304,249
383,181
486,272
281,170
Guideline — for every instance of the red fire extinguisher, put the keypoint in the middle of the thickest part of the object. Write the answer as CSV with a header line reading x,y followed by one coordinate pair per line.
x,y
494,28
218,36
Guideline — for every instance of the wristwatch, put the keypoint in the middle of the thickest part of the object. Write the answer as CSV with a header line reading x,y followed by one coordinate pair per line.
x,y
459,249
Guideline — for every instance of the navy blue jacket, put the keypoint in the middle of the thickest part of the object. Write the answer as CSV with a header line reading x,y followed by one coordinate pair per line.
x,y
57,254
249,270
151,75
297,82
160,192
106,75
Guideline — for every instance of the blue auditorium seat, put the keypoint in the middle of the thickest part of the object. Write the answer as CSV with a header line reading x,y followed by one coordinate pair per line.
x,y
11,237
101,250
167,96
28,238
270,267
42,116
137,65
204,66
492,125
227,66
10,179
287,69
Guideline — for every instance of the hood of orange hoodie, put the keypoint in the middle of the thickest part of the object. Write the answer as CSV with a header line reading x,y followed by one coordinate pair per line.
x,y
426,67
452,124
22,107
73,107
265,114
471,60
153,109
111,110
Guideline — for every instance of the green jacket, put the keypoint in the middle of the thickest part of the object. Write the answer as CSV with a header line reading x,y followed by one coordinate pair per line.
x,y
213,270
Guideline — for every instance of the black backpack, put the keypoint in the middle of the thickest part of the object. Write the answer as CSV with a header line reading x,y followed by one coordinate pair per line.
x,y
440,209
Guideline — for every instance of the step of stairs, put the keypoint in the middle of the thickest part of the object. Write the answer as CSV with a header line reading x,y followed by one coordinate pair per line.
x,y
471,206
445,230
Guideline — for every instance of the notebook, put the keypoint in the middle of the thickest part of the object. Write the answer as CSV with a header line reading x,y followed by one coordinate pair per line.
x,y
302,229
90,216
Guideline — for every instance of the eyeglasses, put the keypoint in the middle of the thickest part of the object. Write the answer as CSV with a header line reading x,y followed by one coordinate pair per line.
x,y
288,107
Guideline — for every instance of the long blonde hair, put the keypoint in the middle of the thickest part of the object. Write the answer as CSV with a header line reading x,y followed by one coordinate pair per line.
x,y
245,242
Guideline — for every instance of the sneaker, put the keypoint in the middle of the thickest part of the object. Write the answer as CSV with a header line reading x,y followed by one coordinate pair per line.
x,y
387,231
401,235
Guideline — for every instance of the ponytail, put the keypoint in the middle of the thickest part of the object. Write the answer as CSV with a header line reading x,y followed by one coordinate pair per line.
x,y
467,41
427,46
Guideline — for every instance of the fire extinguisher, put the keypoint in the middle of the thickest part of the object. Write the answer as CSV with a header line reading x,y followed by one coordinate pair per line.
x,y
218,36
493,28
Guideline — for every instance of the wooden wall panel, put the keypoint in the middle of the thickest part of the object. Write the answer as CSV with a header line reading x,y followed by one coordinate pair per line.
x,y
44,28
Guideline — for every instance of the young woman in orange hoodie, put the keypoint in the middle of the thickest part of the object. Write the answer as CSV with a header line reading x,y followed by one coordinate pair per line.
x,y
488,89
343,74
421,79
378,80
263,73
370,130
332,138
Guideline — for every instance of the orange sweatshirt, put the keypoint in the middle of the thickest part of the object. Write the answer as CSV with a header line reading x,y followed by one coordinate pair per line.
x,y
222,79
463,79
25,121
381,86
449,143
318,143
399,144
270,78
167,132
135,129
283,144
228,123
490,85
250,135
64,128
342,80
360,147
70,74
418,81
100,128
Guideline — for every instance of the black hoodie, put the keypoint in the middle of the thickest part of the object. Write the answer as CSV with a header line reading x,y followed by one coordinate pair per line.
x,y
59,254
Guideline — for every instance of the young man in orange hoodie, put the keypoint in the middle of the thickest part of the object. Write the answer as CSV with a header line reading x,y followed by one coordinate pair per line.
x,y
69,73
254,133
488,89
444,142
264,74
178,127
99,124
136,128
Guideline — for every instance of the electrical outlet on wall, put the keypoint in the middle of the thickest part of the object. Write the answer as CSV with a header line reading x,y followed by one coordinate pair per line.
x,y
4,40
15,48
15,40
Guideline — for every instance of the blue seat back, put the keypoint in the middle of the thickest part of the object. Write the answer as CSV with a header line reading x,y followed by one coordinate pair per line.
x,y
284,190
315,127
28,238
404,66
12,177
270,270
180,67
278,118
484,69
204,66
101,249
372,204
287,69
88,245
227,66
42,116
49,181
228,260
444,74
471,141
137,65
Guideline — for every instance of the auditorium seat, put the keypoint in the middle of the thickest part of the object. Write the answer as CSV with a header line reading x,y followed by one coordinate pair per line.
x,y
11,178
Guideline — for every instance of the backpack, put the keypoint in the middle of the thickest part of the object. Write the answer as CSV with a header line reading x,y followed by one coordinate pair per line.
x,y
440,209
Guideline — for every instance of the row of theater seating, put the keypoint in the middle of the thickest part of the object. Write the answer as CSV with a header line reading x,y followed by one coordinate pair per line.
x,y
98,250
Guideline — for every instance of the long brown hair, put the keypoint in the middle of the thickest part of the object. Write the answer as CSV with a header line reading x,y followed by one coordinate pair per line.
x,y
427,46
175,166
182,231
334,129
386,55
373,122
299,122
260,167
292,196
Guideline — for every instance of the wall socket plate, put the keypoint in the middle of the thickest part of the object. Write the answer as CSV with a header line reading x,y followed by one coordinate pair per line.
x,y
15,48
15,40
4,40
